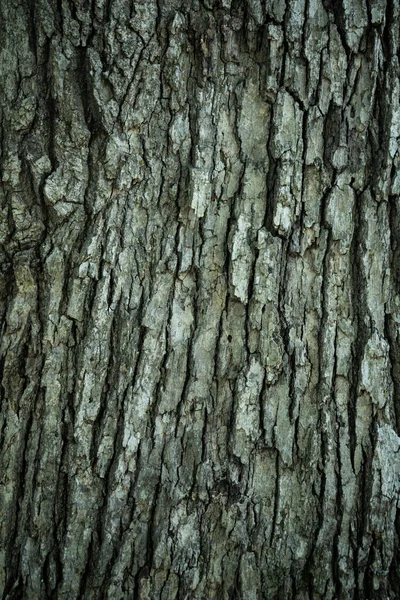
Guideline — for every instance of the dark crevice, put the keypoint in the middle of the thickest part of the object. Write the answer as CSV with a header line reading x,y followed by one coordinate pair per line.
x,y
292,382
276,499
394,356
89,569
394,571
52,111
151,537
339,519
337,9
386,37
390,324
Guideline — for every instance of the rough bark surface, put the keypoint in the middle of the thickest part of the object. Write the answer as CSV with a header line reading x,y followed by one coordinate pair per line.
x,y
200,278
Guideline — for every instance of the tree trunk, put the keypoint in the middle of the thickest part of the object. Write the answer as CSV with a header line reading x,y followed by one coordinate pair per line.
x,y
200,279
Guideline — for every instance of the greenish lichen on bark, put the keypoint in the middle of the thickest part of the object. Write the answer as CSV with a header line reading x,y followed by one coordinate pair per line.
x,y
200,299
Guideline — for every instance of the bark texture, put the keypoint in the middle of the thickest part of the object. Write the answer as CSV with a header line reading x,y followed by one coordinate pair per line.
x,y
200,279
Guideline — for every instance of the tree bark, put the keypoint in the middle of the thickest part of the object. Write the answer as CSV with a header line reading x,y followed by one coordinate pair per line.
x,y
200,299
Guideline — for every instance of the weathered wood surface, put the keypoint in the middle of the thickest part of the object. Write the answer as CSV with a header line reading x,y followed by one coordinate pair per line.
x,y
199,237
